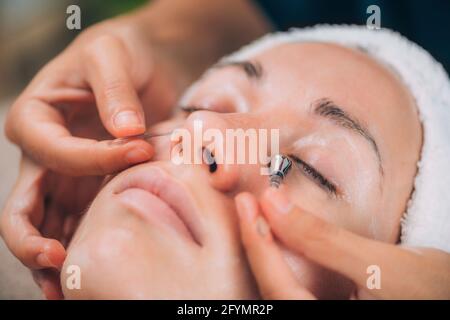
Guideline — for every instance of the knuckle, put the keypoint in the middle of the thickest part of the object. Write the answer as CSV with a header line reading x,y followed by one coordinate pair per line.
x,y
8,131
15,245
10,123
114,88
318,230
101,44
6,217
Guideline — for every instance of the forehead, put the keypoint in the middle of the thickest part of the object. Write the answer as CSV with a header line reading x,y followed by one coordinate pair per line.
x,y
331,68
302,72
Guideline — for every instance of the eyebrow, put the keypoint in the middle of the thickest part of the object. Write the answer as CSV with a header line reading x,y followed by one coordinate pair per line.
x,y
252,69
328,109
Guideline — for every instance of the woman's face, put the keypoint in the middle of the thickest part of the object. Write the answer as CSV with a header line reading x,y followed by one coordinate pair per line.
x,y
162,230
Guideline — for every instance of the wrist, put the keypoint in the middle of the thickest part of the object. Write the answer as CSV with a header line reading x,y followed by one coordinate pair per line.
x,y
192,35
179,46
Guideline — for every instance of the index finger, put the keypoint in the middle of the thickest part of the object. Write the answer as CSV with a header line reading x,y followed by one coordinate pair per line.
x,y
114,88
402,272
45,139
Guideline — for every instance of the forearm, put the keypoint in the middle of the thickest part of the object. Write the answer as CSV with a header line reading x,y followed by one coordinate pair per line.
x,y
196,33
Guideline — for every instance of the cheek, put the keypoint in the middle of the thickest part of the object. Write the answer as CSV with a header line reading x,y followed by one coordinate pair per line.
x,y
386,218
103,260
363,221
110,244
121,262
100,252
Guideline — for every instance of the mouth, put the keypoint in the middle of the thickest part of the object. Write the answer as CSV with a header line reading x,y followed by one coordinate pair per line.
x,y
155,196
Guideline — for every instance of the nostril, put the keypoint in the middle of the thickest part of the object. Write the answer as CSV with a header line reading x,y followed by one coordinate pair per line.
x,y
213,167
209,159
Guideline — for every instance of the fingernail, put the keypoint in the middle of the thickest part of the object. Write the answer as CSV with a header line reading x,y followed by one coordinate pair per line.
x,y
137,156
127,119
278,200
261,226
43,260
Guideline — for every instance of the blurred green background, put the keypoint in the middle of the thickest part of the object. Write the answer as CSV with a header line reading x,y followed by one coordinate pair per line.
x,y
34,31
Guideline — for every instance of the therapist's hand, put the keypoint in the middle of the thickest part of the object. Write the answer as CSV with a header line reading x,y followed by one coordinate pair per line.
x,y
45,206
65,122
405,273
110,69
40,217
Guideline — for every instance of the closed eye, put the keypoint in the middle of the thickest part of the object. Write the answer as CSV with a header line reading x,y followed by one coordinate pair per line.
x,y
190,109
315,175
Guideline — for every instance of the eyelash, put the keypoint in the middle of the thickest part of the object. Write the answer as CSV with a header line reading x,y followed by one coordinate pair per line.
x,y
190,109
300,164
315,175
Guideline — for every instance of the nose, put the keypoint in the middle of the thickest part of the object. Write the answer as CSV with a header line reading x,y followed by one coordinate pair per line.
x,y
209,140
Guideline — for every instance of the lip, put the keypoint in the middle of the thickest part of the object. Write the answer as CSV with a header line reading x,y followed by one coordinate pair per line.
x,y
150,186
